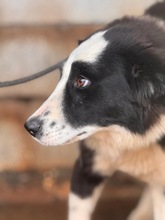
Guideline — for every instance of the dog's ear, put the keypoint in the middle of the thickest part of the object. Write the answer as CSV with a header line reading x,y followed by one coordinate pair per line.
x,y
148,77
141,86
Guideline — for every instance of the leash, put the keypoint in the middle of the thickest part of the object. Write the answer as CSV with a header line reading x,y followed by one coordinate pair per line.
x,y
33,76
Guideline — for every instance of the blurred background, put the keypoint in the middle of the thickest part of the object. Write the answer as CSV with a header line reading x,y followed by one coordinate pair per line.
x,y
34,180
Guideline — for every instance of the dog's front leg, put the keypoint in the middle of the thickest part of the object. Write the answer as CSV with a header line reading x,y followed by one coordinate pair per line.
x,y
158,197
86,187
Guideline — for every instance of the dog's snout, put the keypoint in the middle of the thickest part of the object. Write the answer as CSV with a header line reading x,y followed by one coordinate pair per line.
x,y
33,126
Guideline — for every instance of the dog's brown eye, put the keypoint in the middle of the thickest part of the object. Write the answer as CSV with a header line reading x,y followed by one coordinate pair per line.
x,y
82,82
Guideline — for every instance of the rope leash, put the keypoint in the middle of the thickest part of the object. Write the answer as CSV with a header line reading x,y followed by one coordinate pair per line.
x,y
33,76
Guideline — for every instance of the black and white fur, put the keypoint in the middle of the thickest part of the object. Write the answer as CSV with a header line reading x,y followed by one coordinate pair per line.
x,y
119,114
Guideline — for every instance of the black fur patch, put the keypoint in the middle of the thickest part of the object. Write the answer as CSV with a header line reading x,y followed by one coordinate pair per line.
x,y
52,124
47,113
84,180
84,132
162,142
157,10
80,42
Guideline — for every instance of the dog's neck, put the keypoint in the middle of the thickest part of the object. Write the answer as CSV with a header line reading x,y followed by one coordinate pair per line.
x,y
116,139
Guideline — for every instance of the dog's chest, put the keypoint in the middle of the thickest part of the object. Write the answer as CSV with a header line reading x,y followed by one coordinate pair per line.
x,y
146,164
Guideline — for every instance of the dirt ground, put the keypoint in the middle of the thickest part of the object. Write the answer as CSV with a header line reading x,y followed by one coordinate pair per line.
x,y
43,196
116,210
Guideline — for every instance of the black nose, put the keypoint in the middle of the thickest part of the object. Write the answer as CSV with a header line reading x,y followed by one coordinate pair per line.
x,y
33,126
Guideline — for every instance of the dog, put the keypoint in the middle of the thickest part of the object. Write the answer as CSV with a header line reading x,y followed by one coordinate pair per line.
x,y
111,96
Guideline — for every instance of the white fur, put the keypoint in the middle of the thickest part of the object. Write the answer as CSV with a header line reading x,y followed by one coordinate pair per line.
x,y
158,198
82,209
93,47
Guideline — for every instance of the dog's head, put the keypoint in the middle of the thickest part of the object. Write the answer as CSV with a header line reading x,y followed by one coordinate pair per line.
x,y
114,77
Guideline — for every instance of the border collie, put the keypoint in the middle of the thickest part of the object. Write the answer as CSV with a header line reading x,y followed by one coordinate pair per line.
x,y
112,97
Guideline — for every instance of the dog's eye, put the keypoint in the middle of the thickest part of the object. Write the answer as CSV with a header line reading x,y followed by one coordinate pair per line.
x,y
82,82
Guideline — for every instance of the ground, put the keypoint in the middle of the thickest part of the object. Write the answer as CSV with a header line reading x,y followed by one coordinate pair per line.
x,y
35,195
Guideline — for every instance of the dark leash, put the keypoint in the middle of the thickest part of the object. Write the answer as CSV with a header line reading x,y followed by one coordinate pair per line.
x,y
56,66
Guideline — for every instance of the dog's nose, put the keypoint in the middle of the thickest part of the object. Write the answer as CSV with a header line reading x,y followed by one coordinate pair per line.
x,y
33,126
